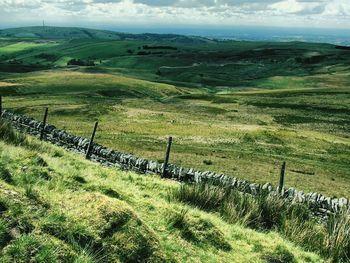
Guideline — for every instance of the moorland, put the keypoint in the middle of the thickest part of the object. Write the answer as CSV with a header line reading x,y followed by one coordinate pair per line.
x,y
236,107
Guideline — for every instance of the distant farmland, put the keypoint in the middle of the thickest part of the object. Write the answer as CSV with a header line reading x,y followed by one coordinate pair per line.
x,y
240,108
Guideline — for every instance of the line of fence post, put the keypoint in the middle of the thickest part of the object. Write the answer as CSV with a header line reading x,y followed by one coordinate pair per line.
x,y
91,141
42,133
167,156
282,176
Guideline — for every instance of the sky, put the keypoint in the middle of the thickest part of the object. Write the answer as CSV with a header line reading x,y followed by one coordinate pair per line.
x,y
163,13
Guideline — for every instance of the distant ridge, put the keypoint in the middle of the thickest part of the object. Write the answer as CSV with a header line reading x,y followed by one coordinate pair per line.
x,y
343,47
45,32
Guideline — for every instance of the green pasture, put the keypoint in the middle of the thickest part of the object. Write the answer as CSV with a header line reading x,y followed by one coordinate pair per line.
x,y
244,134
240,108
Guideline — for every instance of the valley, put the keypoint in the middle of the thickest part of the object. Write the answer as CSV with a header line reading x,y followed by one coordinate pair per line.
x,y
240,108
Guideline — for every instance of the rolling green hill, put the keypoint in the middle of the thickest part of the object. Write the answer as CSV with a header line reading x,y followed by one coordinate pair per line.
x,y
48,32
181,60
226,103
238,108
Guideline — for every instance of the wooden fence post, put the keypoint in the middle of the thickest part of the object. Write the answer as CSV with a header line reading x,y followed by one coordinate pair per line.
x,y
44,124
282,176
167,155
91,142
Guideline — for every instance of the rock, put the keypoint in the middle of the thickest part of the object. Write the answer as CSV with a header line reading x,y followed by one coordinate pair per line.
x,y
15,232
291,192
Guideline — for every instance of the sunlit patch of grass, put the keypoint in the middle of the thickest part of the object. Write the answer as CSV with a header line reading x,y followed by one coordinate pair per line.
x,y
103,84
21,46
6,84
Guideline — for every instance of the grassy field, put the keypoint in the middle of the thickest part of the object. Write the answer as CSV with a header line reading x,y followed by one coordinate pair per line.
x,y
57,207
240,108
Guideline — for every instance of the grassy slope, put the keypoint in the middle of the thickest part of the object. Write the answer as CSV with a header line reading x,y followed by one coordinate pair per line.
x,y
57,206
267,102
306,127
48,32
237,64
57,33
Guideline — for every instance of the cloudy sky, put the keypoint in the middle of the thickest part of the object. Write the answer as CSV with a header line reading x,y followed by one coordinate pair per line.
x,y
285,13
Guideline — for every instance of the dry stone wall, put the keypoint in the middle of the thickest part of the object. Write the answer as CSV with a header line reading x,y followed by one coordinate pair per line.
x,y
322,205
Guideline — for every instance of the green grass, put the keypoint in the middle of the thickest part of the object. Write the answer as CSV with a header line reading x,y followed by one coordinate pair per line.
x,y
113,216
20,47
227,104
266,212
223,133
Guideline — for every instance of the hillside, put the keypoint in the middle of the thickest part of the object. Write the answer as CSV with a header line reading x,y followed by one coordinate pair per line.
x,y
237,108
225,103
180,60
58,207
51,32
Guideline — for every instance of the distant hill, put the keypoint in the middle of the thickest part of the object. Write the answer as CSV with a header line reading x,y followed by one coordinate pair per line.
x,y
39,32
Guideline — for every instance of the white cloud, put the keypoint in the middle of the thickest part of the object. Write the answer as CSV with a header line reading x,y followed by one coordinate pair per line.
x,y
288,6
338,8
327,13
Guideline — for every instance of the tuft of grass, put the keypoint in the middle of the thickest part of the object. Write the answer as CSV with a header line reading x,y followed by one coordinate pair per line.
x,y
3,206
132,245
4,233
38,160
272,212
5,174
280,255
198,230
79,179
31,193
29,248
204,196
88,255
337,240
208,162
72,232
110,192
9,135
177,219
244,211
